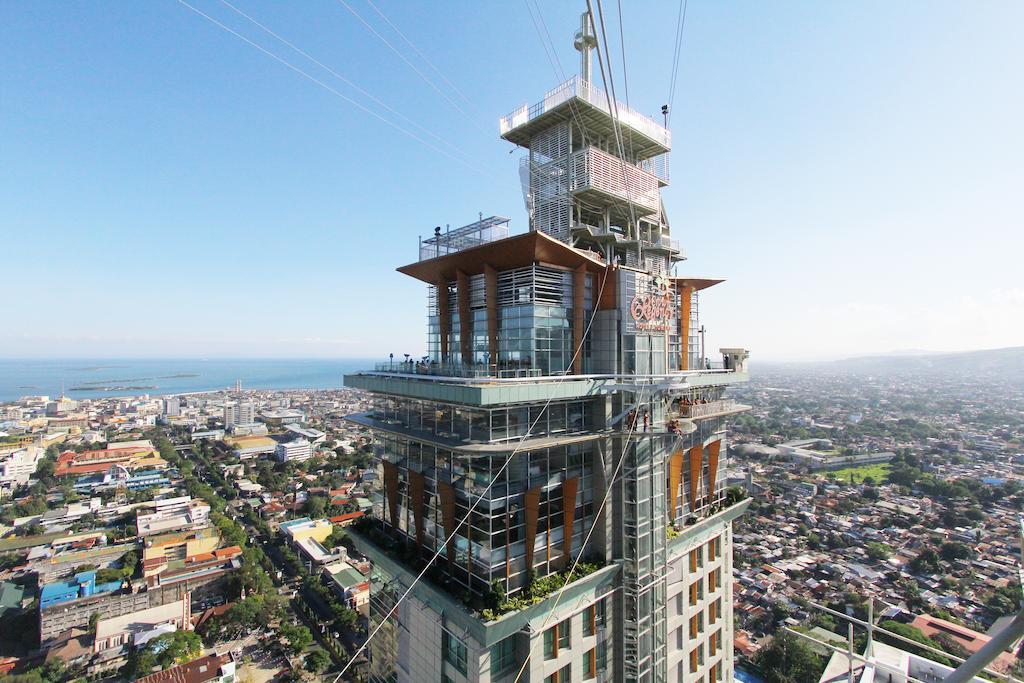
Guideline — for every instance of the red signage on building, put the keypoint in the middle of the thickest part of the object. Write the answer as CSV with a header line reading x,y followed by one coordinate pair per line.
x,y
653,311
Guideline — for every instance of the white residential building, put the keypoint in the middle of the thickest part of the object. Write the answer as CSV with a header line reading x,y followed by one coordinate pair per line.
x,y
239,413
294,451
172,514
172,406
18,466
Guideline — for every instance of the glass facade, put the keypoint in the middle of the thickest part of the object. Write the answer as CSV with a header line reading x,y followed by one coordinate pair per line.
x,y
535,321
502,484
467,424
492,545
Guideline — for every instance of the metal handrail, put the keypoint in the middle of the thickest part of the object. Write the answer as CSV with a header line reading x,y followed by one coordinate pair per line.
x,y
593,167
483,370
705,409
577,87
450,372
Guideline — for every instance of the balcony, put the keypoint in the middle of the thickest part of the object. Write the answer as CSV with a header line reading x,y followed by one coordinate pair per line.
x,y
600,177
658,167
699,411
664,243
481,370
475,234
576,99
600,233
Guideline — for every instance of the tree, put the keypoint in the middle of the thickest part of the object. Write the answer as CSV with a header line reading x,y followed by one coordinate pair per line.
x,y
316,506
176,648
298,637
10,560
912,633
734,494
878,551
927,561
1004,600
128,564
788,659
344,617
317,661
245,616
337,536
953,550
108,575
825,621
163,651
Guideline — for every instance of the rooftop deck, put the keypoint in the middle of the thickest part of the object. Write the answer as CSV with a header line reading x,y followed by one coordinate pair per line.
x,y
488,390
475,234
580,100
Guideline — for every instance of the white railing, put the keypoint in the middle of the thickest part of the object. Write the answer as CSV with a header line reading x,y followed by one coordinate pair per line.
x,y
473,235
502,371
657,166
591,167
705,409
668,243
577,87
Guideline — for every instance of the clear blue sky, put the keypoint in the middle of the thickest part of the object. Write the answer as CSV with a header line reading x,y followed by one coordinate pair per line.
x,y
855,169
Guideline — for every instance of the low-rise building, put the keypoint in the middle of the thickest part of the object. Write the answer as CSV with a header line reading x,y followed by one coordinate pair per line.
x,y
172,514
135,628
133,455
70,604
177,545
297,450
282,416
349,583
209,669
314,436
17,467
119,476
202,576
248,447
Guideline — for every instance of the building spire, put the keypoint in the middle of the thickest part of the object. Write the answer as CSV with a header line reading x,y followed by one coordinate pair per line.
x,y
585,42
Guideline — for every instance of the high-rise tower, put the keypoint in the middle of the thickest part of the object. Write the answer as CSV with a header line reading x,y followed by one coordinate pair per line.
x,y
564,416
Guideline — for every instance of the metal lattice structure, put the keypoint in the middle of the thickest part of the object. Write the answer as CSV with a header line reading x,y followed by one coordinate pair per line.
x,y
473,235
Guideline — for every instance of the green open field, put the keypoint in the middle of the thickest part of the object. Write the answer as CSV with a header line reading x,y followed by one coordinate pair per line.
x,y
878,471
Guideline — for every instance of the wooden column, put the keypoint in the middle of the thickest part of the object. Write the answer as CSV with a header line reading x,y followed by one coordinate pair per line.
x,y
675,474
465,319
685,304
531,508
579,286
696,461
713,448
569,488
417,485
491,293
444,318
447,495
391,491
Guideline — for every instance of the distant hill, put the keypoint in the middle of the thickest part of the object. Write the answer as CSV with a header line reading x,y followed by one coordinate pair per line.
x,y
1007,363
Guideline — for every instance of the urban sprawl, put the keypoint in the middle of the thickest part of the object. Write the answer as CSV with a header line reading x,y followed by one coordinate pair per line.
x,y
209,531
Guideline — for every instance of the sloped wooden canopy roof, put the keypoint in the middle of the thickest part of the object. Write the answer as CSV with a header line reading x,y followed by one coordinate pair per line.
x,y
697,283
512,252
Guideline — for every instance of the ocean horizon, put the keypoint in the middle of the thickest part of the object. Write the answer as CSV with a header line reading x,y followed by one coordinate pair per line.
x,y
112,377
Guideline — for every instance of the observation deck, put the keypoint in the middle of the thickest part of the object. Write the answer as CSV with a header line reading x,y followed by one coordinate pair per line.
x,y
577,99
603,179
483,231
493,391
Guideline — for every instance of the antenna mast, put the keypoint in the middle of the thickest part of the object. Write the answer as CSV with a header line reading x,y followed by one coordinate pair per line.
x,y
585,42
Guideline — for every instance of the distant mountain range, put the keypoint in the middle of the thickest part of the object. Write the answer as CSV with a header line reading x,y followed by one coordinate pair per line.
x,y
1007,363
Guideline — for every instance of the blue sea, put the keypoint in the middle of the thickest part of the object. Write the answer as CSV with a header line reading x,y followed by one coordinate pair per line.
x,y
92,378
